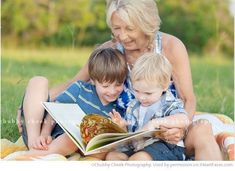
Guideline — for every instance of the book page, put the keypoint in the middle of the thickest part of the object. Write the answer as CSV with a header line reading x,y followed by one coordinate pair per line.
x,y
68,116
105,142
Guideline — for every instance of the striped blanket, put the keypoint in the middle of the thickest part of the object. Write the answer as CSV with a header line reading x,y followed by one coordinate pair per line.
x,y
224,134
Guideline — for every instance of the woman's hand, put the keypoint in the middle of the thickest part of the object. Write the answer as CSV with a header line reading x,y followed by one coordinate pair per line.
x,y
172,135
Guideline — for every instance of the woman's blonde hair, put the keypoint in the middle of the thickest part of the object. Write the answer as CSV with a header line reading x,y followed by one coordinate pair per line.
x,y
153,68
140,13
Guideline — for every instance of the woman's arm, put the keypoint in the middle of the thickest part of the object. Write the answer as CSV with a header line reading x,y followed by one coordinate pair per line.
x,y
177,54
178,120
81,75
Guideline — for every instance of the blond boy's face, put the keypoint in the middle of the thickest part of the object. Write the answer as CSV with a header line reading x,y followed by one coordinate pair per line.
x,y
146,93
108,92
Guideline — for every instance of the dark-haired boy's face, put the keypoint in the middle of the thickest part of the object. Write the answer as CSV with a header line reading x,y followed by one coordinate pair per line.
x,y
108,92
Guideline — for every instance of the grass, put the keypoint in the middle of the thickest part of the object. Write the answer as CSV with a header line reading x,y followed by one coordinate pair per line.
x,y
213,79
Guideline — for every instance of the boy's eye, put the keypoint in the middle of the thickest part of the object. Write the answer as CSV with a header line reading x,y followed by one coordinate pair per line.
x,y
136,91
119,84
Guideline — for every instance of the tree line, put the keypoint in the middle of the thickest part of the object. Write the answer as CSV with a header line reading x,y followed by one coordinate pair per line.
x,y
201,25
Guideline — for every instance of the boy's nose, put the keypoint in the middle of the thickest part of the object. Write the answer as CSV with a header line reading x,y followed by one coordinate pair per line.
x,y
142,97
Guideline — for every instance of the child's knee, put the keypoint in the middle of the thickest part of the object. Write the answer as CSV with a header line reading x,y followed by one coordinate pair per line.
x,y
114,155
38,80
141,156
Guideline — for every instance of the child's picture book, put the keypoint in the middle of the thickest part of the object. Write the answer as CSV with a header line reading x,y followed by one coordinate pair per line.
x,y
93,133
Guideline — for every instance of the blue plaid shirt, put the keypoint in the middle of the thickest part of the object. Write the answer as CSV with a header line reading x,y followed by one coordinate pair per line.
x,y
168,105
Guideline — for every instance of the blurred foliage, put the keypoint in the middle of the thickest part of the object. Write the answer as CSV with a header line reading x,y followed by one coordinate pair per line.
x,y
201,25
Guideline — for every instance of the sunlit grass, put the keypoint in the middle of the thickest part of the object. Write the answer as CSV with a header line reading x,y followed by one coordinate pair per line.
x,y
213,79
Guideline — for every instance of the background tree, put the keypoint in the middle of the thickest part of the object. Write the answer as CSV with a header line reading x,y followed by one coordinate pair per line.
x,y
201,25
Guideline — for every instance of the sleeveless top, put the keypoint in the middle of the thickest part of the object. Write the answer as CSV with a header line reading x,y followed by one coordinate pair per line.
x,y
128,94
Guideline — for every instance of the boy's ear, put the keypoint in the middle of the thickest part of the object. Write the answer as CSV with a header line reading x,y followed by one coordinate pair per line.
x,y
92,82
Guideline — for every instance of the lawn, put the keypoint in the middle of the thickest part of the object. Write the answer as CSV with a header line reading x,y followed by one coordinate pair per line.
x,y
213,79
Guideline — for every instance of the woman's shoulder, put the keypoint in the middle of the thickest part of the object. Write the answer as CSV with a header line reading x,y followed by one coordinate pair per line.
x,y
169,41
173,47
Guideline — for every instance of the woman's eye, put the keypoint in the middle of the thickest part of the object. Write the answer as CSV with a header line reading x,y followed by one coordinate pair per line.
x,y
116,28
130,29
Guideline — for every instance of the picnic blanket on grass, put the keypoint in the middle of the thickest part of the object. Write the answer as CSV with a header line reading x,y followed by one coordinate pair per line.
x,y
225,137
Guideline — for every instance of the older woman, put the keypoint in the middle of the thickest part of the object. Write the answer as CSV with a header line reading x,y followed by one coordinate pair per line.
x,y
135,30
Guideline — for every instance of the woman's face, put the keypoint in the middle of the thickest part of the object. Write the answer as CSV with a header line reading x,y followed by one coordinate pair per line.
x,y
131,37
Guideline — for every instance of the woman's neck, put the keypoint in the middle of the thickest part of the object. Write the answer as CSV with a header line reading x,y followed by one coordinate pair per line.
x,y
133,55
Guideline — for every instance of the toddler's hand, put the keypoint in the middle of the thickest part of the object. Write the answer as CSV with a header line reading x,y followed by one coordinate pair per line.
x,y
117,119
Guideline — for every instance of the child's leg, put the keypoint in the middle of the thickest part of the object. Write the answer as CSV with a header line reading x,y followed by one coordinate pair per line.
x,y
99,156
115,155
36,92
141,156
159,151
61,145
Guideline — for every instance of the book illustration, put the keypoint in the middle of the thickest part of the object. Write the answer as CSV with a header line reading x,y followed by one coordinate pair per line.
x,y
94,124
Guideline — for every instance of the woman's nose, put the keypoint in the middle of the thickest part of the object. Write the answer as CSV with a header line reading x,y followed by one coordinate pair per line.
x,y
123,35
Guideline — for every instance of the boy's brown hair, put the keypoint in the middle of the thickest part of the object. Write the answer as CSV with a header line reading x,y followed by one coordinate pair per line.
x,y
107,65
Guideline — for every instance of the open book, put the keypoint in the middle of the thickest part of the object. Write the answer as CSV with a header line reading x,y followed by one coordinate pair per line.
x,y
69,117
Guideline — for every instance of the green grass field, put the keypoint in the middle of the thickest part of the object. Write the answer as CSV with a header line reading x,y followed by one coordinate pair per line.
x,y
213,79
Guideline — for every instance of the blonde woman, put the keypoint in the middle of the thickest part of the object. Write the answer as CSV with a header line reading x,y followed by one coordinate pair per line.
x,y
135,31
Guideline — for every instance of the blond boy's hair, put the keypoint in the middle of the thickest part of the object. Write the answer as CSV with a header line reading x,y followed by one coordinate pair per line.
x,y
154,68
